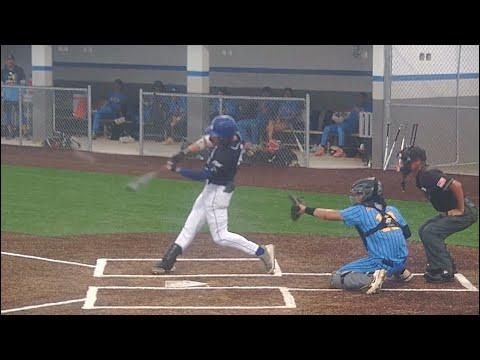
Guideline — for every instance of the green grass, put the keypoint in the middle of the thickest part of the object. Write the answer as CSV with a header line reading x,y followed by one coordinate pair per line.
x,y
54,202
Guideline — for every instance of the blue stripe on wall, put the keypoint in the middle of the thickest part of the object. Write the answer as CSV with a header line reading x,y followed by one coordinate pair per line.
x,y
197,73
119,66
42,68
427,77
215,69
260,70
257,70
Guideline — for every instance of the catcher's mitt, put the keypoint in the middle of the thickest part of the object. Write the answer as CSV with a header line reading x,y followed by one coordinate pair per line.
x,y
295,209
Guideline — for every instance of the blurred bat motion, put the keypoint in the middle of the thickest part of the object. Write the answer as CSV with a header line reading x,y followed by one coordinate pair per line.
x,y
141,181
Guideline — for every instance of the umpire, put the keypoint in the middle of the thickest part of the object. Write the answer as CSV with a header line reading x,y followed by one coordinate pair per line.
x,y
456,212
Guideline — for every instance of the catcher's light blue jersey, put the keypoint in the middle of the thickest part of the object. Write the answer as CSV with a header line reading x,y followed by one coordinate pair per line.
x,y
388,243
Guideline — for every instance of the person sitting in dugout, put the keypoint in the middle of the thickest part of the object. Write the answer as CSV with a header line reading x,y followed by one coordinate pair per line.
x,y
383,231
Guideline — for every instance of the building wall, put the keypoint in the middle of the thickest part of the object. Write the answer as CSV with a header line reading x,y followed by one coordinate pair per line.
x,y
321,68
447,134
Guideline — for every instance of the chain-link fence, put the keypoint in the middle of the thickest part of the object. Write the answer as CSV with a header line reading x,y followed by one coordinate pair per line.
x,y
435,86
274,128
30,115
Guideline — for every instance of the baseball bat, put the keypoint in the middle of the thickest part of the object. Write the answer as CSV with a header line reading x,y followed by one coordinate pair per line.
x,y
386,144
391,150
141,181
415,134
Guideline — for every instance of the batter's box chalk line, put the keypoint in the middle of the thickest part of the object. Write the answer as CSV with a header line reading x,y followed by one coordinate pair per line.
x,y
92,293
102,263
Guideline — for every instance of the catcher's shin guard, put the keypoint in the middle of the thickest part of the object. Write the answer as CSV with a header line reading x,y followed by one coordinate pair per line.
x,y
168,260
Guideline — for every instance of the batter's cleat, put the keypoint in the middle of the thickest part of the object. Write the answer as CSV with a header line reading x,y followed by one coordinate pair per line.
x,y
168,260
379,277
268,257
160,268
405,276
439,276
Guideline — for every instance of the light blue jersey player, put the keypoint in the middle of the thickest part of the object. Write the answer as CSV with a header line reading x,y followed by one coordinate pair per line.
x,y
384,232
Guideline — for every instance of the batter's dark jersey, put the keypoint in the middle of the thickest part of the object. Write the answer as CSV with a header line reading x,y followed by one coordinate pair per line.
x,y
223,162
436,186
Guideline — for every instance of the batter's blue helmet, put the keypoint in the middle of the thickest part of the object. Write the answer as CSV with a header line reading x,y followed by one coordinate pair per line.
x,y
223,126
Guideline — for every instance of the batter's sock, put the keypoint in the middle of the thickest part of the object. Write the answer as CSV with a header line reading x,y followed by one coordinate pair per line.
x,y
260,251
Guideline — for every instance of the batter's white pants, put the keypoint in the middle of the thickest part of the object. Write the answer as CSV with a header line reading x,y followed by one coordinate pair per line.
x,y
211,207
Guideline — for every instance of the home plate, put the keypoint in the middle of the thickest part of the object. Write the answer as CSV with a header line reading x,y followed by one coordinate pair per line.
x,y
183,284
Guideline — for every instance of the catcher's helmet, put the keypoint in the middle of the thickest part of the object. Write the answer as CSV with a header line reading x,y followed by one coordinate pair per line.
x,y
223,126
365,190
408,155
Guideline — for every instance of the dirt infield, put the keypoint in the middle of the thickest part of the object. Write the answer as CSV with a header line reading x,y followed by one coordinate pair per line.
x,y
303,179
234,284
82,274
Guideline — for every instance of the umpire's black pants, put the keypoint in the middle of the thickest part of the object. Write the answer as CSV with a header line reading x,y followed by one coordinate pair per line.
x,y
434,232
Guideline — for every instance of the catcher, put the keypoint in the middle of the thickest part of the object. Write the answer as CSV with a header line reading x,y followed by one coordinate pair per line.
x,y
382,229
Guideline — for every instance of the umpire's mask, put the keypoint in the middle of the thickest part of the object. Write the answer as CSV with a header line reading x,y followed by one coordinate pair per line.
x,y
407,156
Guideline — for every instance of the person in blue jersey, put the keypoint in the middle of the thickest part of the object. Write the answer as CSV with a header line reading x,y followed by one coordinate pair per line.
x,y
229,106
12,74
176,109
287,113
211,206
384,232
348,126
252,128
115,107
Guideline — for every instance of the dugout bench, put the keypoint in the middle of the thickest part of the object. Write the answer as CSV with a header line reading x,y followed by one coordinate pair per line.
x,y
364,136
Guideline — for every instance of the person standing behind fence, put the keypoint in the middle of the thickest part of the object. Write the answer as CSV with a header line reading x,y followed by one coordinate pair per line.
x,y
229,106
176,118
155,109
251,129
114,108
288,112
348,126
12,74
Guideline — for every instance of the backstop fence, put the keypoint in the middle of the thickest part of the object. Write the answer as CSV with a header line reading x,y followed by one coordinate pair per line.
x,y
437,87
275,129
32,114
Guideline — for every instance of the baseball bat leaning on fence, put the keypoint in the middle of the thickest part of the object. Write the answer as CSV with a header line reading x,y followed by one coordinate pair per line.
x,y
413,136
386,144
385,165
402,146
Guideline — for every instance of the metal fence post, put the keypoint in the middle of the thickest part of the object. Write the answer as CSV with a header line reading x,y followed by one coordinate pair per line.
x,y
89,106
53,111
220,104
20,115
457,103
387,88
307,130
140,114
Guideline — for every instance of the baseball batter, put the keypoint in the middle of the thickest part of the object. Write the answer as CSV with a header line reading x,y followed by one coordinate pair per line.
x,y
383,231
211,206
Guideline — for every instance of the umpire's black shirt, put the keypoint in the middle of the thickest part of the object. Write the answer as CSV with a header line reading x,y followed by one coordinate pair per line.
x,y
436,186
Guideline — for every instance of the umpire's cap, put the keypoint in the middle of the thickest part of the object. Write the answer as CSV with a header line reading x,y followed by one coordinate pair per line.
x,y
414,153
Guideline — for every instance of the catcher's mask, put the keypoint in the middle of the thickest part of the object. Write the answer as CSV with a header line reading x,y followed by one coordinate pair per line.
x,y
366,190
409,155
